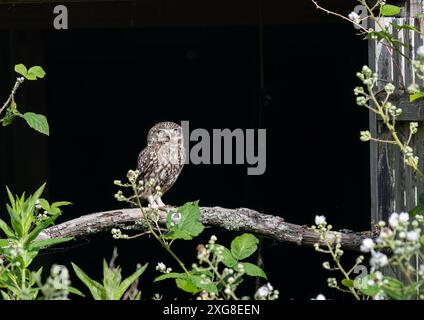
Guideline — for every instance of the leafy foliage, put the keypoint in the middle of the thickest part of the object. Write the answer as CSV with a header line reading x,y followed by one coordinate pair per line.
x,y
113,287
36,121
20,247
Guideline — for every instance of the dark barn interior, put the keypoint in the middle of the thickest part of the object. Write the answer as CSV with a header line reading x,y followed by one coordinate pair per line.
x,y
124,65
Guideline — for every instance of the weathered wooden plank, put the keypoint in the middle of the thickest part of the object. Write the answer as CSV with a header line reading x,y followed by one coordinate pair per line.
x,y
394,187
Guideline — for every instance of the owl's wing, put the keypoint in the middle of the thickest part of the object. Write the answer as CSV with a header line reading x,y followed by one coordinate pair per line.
x,y
146,162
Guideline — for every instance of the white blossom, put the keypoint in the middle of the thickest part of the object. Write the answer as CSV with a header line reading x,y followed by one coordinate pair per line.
x,y
403,217
390,88
412,236
161,267
394,220
354,17
367,245
320,220
379,260
262,292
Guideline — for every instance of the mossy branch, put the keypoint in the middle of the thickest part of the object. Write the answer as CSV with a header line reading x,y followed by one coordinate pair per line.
x,y
240,219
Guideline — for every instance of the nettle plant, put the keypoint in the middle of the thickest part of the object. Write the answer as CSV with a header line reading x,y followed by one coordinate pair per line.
x,y
398,245
218,271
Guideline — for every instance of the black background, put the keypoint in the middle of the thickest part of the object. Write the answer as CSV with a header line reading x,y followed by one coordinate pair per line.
x,y
105,87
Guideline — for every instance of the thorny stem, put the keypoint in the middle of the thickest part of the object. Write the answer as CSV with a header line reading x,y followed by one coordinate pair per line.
x,y
342,270
215,271
389,46
152,231
392,130
12,94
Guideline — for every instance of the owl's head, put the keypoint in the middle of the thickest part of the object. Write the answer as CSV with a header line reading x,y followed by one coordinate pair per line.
x,y
165,132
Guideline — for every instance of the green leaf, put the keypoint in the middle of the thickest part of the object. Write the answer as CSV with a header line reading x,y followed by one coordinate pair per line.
x,y
415,96
187,285
404,26
189,225
11,197
253,270
21,69
4,243
419,208
4,295
96,289
30,76
37,71
365,288
44,204
227,257
49,242
171,275
61,204
76,291
198,281
348,283
7,231
37,122
393,288
388,10
43,225
244,246
129,281
422,239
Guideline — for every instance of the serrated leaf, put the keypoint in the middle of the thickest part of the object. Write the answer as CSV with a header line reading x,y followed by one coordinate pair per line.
x,y
189,224
187,285
37,71
96,289
389,10
198,281
365,287
129,281
227,257
21,69
253,270
37,122
244,246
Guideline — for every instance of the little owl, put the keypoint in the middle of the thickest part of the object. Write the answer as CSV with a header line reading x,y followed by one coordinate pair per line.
x,y
161,161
